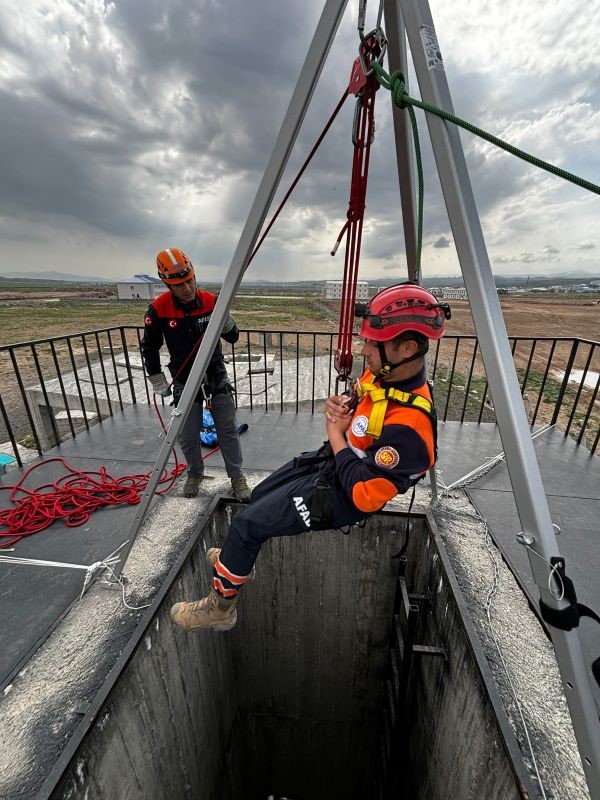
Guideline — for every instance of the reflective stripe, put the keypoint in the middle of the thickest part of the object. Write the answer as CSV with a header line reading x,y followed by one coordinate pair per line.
x,y
171,256
222,590
236,580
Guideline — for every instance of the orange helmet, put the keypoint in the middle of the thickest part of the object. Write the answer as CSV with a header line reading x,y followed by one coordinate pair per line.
x,y
401,308
174,266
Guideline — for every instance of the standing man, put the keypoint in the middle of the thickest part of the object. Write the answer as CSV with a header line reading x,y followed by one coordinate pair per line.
x,y
381,442
180,318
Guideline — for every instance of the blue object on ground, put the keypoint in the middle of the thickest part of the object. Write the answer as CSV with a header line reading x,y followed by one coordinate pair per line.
x,y
208,433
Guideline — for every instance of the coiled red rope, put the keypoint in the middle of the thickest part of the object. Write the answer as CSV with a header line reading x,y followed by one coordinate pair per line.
x,y
75,495
71,498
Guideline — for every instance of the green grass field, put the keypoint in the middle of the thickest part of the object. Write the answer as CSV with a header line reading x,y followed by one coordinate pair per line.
x,y
32,319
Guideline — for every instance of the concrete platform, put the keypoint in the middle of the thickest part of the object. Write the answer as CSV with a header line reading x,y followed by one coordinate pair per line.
x,y
36,598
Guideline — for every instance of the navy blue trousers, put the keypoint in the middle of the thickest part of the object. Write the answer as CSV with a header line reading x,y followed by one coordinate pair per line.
x,y
280,506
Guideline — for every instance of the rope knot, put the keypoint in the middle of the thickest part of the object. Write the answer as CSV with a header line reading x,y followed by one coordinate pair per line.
x,y
398,88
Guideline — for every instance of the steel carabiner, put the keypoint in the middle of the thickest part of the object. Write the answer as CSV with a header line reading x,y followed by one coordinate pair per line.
x,y
374,44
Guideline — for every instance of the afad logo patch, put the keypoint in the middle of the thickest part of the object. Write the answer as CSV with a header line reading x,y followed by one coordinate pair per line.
x,y
359,426
387,457
302,510
172,323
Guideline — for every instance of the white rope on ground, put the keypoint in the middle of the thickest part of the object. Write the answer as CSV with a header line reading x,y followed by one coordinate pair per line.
x,y
120,579
482,470
90,570
488,604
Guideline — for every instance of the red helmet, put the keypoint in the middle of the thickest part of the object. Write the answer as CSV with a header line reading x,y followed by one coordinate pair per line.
x,y
401,308
174,266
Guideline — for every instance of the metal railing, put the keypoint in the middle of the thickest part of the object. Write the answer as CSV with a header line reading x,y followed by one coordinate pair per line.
x,y
56,387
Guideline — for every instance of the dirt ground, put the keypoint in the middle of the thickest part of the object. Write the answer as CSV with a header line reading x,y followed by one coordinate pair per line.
x,y
533,316
58,313
26,317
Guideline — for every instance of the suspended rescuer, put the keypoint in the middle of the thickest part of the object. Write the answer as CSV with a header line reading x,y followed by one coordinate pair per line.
x,y
180,318
380,442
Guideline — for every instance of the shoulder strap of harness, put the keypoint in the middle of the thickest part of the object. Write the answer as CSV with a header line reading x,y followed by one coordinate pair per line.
x,y
380,398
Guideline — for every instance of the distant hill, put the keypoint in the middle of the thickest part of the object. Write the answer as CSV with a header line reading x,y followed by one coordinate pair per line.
x,y
564,278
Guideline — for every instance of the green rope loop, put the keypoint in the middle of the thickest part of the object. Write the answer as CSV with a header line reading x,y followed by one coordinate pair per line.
x,y
413,122
396,84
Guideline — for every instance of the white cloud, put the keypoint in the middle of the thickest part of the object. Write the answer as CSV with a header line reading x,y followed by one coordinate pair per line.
x,y
139,124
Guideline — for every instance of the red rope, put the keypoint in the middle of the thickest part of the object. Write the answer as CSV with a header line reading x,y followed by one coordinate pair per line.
x,y
299,175
71,498
364,126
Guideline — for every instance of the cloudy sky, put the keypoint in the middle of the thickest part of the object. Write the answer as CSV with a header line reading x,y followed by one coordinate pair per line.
x,y
133,125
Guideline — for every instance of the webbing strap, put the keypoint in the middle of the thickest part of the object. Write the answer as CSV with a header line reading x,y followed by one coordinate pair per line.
x,y
380,398
568,618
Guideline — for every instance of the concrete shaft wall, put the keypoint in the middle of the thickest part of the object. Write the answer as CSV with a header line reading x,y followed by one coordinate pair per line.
x,y
460,743
290,702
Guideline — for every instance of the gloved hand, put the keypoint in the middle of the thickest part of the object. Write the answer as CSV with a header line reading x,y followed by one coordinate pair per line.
x,y
229,324
159,384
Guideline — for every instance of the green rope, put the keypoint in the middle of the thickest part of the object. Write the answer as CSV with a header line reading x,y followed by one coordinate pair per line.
x,y
415,130
395,83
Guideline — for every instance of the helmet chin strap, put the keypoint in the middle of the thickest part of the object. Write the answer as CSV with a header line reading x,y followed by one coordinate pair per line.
x,y
387,366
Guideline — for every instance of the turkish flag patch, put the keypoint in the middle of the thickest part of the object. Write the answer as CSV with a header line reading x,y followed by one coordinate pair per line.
x,y
148,321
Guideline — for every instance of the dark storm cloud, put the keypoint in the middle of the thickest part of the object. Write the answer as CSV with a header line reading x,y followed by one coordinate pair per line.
x,y
153,120
52,173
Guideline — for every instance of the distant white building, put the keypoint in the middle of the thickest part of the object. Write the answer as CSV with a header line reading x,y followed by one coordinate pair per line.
x,y
450,293
140,287
333,290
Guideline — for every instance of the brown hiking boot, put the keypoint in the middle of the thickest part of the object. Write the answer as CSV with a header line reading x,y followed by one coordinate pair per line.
x,y
192,485
241,489
213,553
213,612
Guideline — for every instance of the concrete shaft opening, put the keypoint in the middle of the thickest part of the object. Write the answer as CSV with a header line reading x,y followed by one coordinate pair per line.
x,y
344,678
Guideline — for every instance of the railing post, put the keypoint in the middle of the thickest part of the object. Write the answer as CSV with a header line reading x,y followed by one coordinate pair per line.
x,y
127,364
565,382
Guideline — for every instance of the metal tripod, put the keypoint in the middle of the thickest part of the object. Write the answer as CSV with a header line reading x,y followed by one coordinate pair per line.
x,y
532,505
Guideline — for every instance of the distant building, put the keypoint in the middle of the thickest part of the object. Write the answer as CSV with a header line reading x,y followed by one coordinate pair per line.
x,y
333,290
582,287
140,287
449,293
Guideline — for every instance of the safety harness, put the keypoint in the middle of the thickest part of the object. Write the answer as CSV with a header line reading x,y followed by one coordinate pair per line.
x,y
380,398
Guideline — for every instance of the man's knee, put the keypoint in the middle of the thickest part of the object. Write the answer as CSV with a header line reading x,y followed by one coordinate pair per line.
x,y
246,527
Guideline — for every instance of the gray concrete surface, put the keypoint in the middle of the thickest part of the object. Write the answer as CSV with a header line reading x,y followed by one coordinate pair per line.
x,y
47,697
